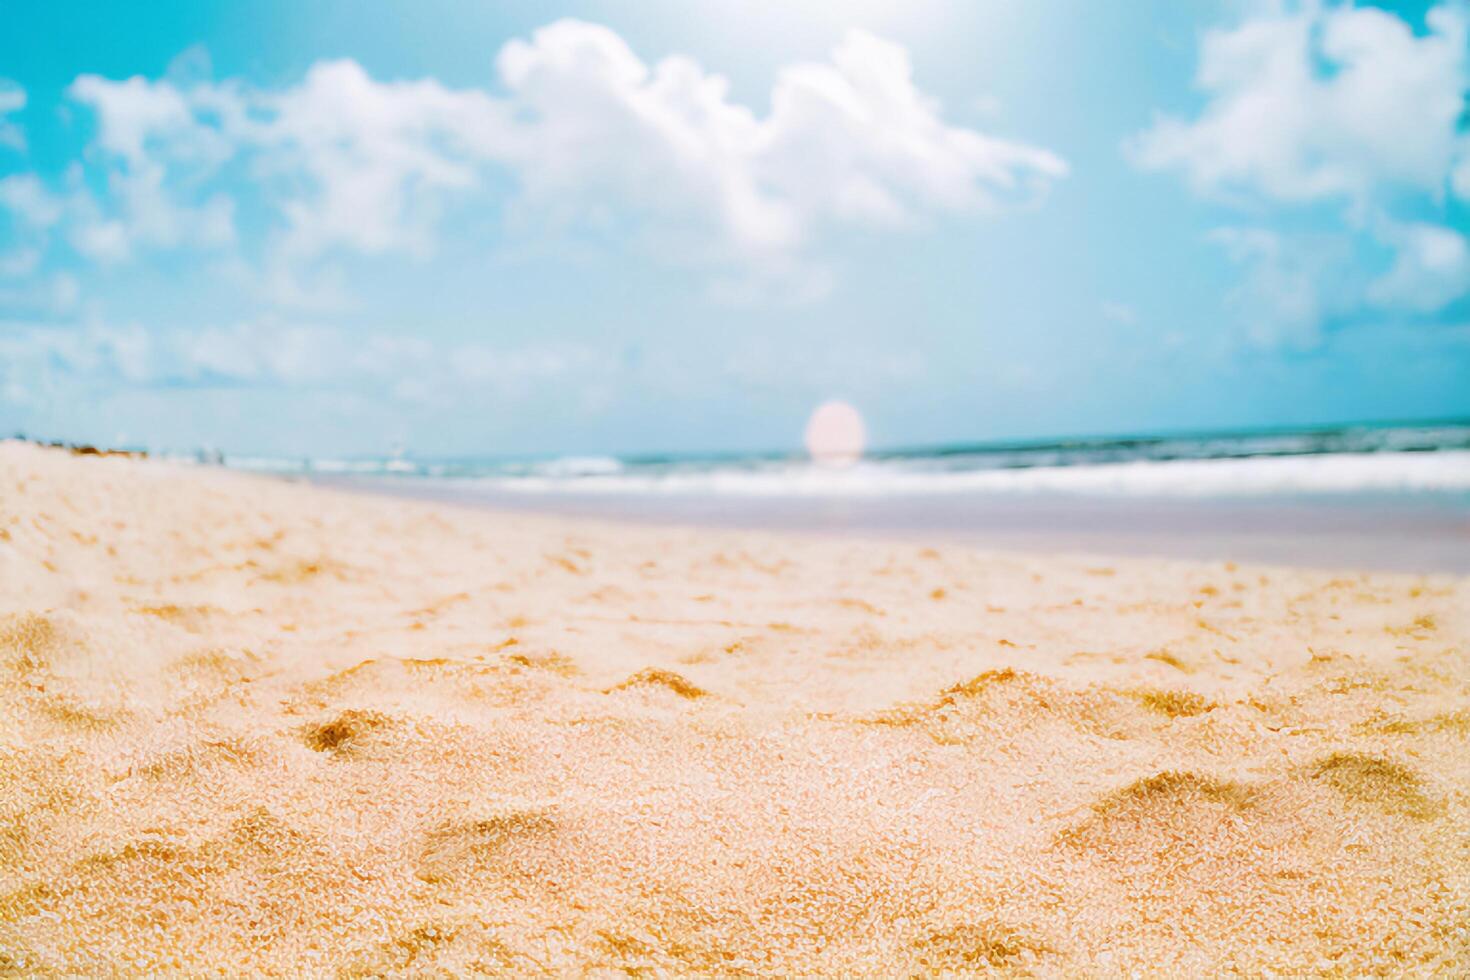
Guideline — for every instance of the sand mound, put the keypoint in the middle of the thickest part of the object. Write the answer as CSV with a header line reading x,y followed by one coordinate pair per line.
x,y
654,677
343,733
1377,781
260,728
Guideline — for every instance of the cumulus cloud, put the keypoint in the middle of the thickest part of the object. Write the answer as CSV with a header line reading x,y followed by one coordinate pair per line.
x,y
591,137
848,141
1430,271
28,199
1331,104
161,146
12,100
33,212
371,160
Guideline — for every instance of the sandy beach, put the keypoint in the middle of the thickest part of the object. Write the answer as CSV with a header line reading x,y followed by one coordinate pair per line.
x,y
260,727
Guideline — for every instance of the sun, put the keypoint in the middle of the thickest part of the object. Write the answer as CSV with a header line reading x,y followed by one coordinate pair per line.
x,y
835,434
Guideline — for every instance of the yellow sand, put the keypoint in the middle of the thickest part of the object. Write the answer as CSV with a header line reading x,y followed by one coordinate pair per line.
x,y
250,726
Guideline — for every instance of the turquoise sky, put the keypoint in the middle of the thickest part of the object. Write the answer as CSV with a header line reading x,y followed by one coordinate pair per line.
x,y
476,228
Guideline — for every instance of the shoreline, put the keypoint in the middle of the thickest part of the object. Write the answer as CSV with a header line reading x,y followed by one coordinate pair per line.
x,y
1424,534
265,727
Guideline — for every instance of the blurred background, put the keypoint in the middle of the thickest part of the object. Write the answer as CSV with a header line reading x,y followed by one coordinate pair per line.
x,y
604,251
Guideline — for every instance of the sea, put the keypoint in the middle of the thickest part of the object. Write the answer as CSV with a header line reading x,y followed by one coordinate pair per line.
x,y
1381,496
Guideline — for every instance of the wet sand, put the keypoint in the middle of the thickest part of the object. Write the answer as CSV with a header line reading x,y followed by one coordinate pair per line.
x,y
1400,532
272,728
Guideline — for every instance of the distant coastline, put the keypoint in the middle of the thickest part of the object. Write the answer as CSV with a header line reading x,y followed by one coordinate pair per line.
x,y
1424,457
1373,458
84,448
1410,435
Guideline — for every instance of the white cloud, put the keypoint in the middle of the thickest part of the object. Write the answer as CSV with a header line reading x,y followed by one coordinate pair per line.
x,y
1460,179
1383,113
1296,284
272,354
19,262
1331,104
161,143
592,137
371,160
104,241
156,152
849,141
133,113
1287,292
28,198
1430,271
259,352
57,295
12,99
35,211
269,361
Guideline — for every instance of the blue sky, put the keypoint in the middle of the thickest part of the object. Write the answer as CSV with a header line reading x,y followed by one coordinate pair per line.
x,y
476,228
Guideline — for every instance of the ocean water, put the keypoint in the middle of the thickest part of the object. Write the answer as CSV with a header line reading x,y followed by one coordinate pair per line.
x,y
1372,460
1367,497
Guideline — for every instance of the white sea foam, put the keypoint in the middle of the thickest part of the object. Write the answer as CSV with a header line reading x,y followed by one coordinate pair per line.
x,y
577,466
1437,472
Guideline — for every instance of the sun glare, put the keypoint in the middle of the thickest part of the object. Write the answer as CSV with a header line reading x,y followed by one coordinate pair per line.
x,y
835,434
